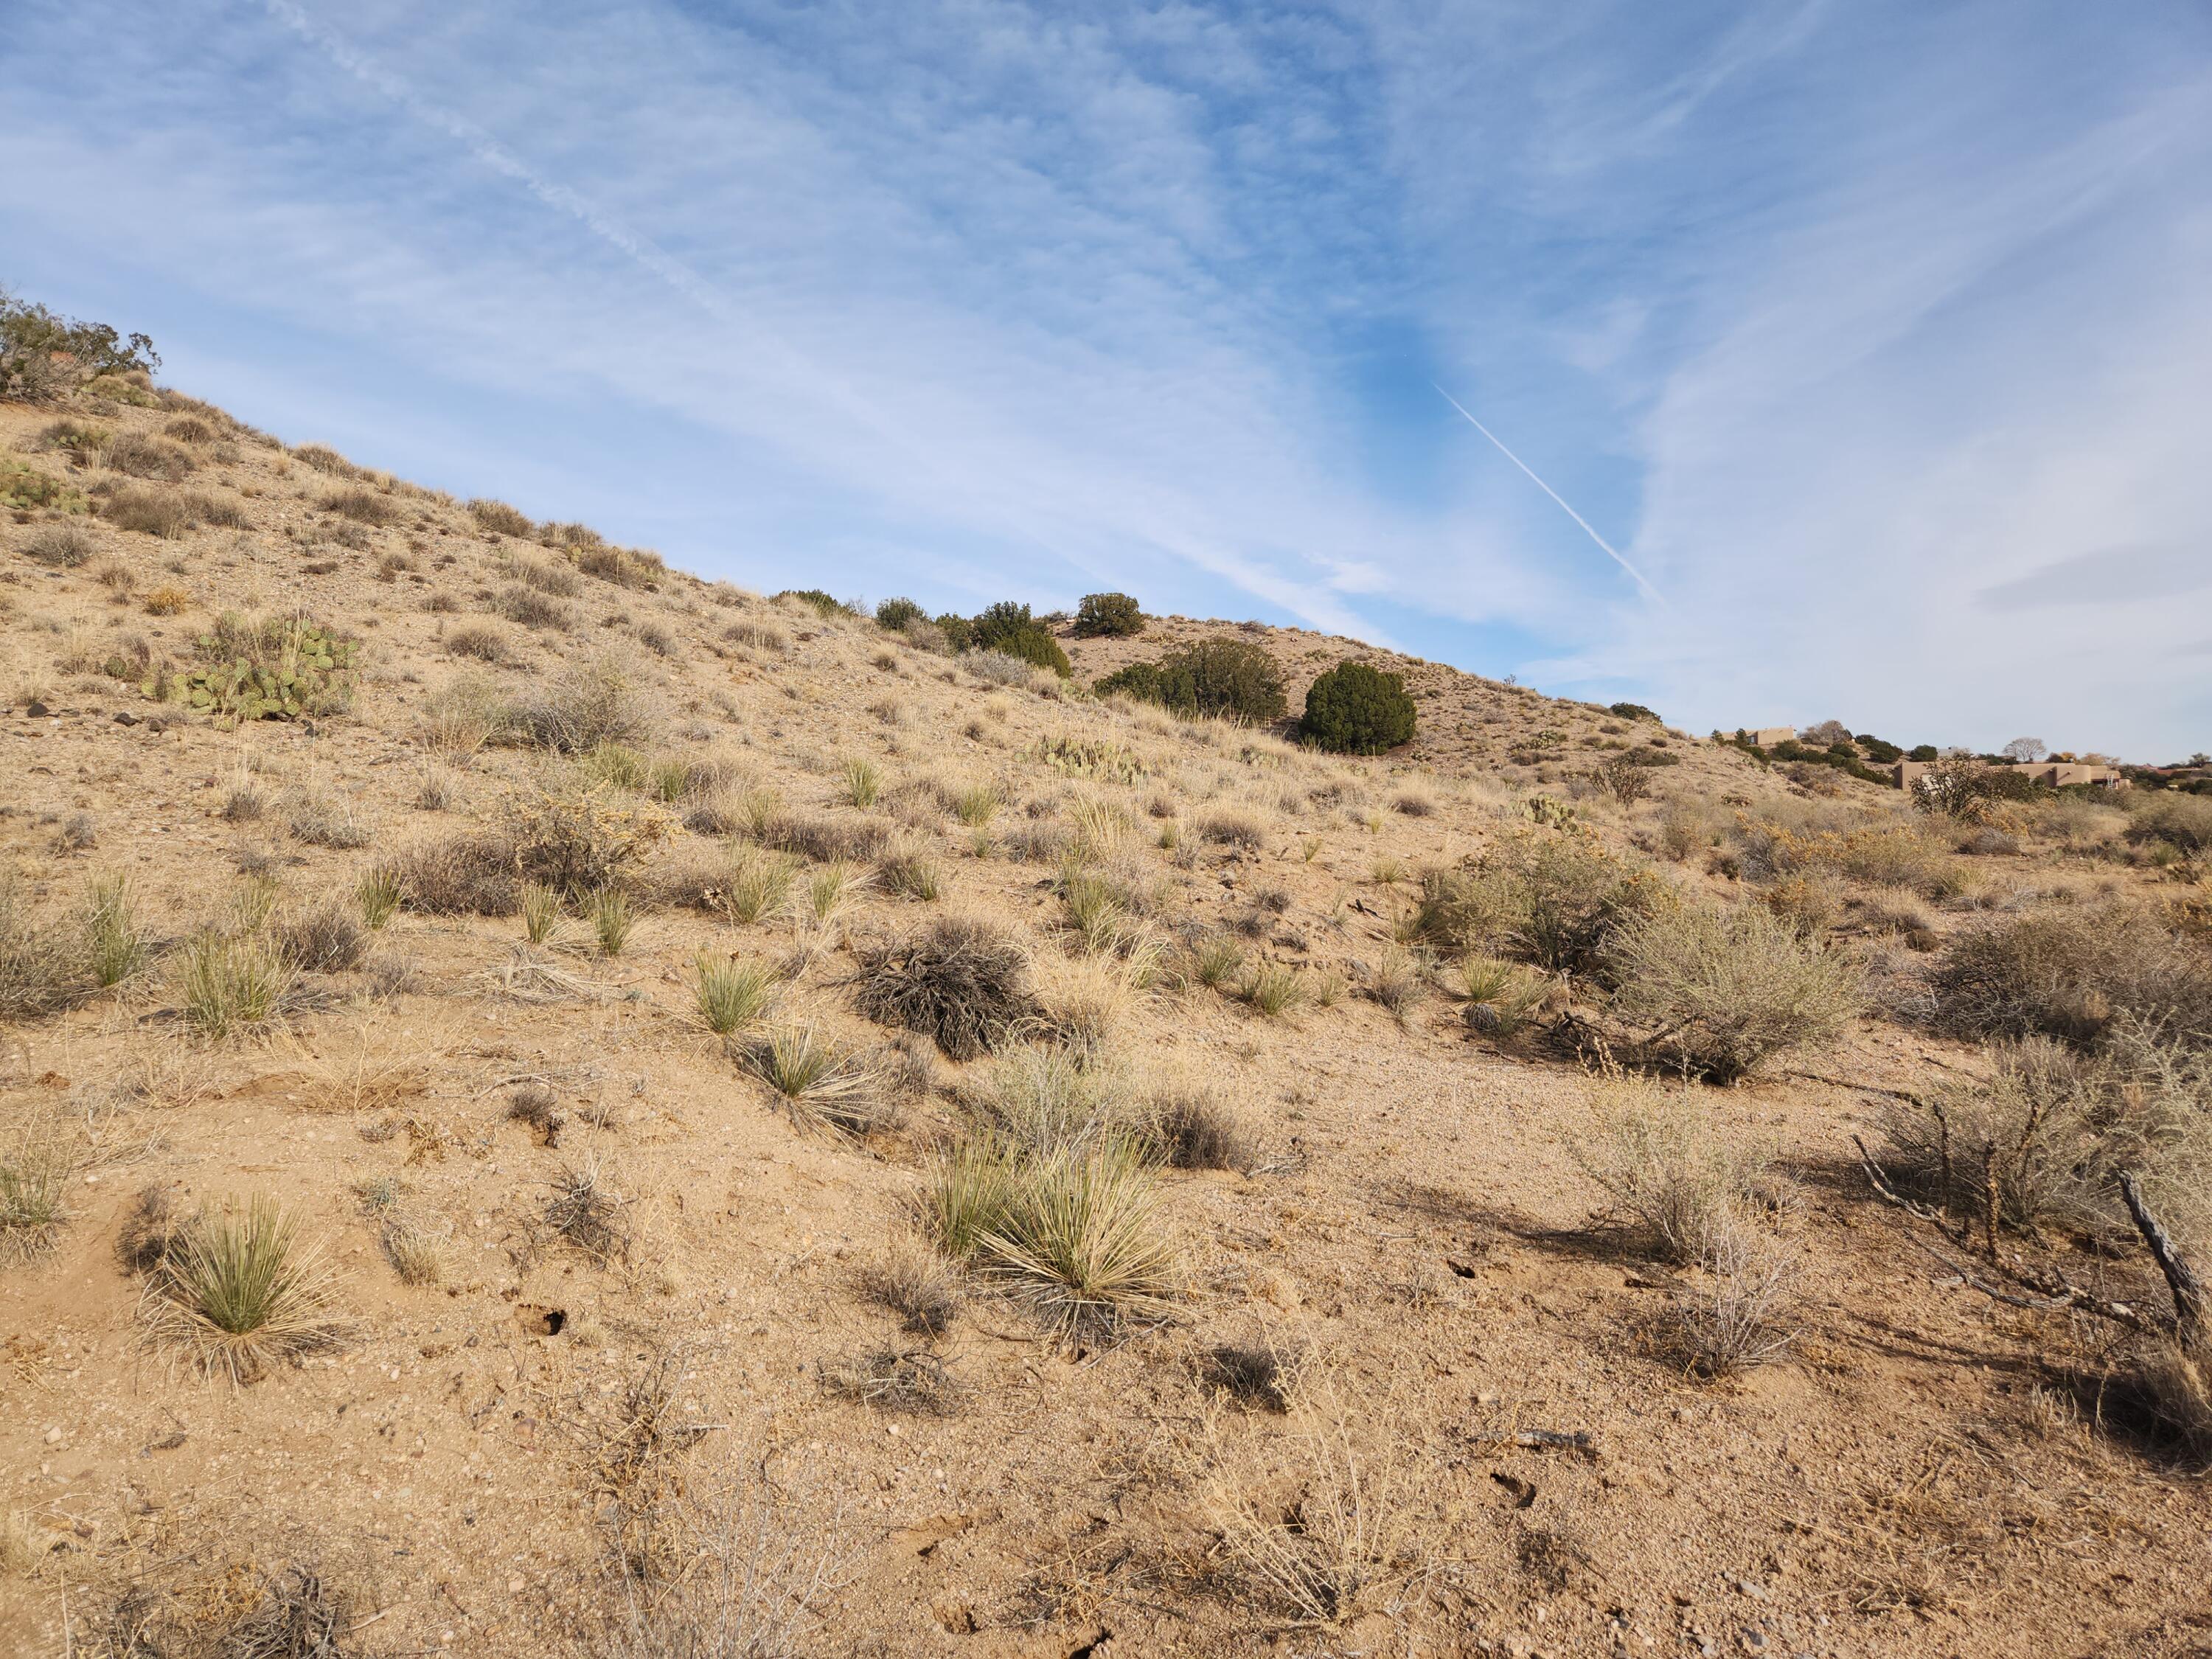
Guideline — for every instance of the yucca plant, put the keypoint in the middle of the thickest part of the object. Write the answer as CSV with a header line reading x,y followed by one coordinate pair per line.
x,y
231,982
378,894
612,921
618,764
970,1188
541,911
822,1082
252,903
1081,1241
1500,995
1095,908
863,783
827,892
238,1289
734,991
114,948
671,781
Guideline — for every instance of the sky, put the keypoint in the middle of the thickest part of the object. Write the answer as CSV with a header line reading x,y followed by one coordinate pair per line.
x,y
1856,358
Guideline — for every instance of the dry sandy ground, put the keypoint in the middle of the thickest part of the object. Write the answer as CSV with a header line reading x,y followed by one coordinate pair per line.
x,y
1906,1481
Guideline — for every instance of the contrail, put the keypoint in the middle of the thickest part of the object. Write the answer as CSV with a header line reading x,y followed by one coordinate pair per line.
x,y
1611,551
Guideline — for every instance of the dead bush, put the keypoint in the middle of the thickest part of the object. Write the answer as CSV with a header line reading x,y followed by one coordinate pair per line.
x,y
363,507
1721,992
326,939
584,1209
1740,1314
963,981
892,1379
919,1285
459,875
1675,1180
166,514
824,837
604,699
143,456
2070,973
476,640
60,546
42,967
500,519
579,839
532,609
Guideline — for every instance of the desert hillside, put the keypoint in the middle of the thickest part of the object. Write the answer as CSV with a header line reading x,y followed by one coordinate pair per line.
x,y
548,1105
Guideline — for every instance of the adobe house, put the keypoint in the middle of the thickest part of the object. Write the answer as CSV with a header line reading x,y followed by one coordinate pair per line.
x,y
2058,774
1767,736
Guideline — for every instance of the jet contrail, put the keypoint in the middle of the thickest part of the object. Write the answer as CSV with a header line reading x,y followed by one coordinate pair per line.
x,y
1611,551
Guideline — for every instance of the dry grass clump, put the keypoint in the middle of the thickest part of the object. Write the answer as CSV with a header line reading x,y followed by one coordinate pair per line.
x,y
916,1283
1254,1374
580,840
1214,961
326,938
586,1210
238,1290
531,609
1197,1126
963,981
35,1170
824,837
461,716
1396,981
362,506
231,982
165,514
480,641
1322,1522
141,455
2173,1388
327,461
1086,1002
822,1082
115,946
2070,973
294,1613
761,636
322,816
1275,990
500,519
457,875
417,1254
605,699
1500,996
1721,992
1674,1178
1230,827
546,575
893,1379
1739,1317
1551,899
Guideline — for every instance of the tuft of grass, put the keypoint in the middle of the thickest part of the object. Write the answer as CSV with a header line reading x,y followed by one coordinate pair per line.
x,y
586,1210
378,895
39,972
863,781
1081,1241
229,983
1738,1318
35,1183
734,991
613,922
1215,961
966,1194
822,1082
976,805
325,939
826,893
1275,990
541,911
1395,981
1196,1128
237,1290
115,947
916,1283
1500,996
1672,1176
757,884
417,1256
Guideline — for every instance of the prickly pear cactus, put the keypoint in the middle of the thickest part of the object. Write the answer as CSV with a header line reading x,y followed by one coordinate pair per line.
x,y
295,667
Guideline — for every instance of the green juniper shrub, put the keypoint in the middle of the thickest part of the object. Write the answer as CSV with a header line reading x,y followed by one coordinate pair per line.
x,y
1923,753
1234,679
1107,615
1884,754
959,632
998,623
1636,711
1358,709
896,615
1034,645
822,604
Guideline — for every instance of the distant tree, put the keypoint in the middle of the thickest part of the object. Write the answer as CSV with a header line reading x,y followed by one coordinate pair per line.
x,y
896,614
2025,749
1825,735
999,622
2200,758
1033,644
959,632
1923,753
1231,678
1358,709
1636,711
44,355
1107,615
1877,749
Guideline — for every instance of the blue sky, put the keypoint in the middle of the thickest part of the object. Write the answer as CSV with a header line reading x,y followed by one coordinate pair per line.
x,y
1876,335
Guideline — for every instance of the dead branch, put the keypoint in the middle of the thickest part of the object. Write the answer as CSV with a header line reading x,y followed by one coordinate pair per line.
x,y
2180,1277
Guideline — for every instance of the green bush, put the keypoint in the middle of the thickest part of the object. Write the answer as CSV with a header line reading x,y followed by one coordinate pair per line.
x,y
1636,711
1884,753
897,614
43,354
1233,678
1107,615
959,632
998,623
1357,709
1034,645
822,603
1923,753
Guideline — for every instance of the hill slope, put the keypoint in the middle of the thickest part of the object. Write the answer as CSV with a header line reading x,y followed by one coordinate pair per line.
x,y
614,1326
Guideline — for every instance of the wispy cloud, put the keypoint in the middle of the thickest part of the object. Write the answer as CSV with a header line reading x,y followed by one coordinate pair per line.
x,y
1868,363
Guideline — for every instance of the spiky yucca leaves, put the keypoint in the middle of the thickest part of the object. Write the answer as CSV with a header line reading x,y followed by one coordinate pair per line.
x,y
734,991
541,911
1275,990
34,1180
823,1083
238,1290
755,885
378,894
612,919
967,1194
1081,1241
863,781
